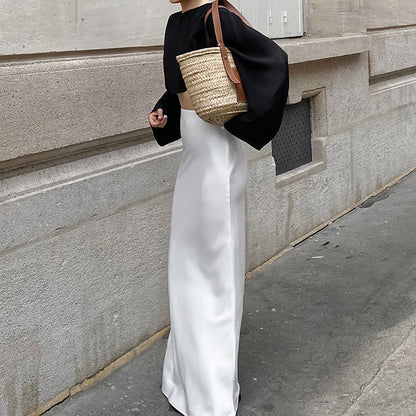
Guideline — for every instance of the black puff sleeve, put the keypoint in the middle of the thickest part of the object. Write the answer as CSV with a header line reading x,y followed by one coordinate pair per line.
x,y
169,103
264,71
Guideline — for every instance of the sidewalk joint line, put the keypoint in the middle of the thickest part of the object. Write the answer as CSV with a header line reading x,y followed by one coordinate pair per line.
x,y
380,366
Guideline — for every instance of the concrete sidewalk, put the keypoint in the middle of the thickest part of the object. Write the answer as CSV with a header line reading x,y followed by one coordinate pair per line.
x,y
329,328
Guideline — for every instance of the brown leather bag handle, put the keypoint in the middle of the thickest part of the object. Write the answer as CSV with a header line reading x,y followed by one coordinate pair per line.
x,y
231,8
232,73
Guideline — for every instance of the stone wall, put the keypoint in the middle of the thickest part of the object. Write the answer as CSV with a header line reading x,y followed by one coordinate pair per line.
x,y
85,191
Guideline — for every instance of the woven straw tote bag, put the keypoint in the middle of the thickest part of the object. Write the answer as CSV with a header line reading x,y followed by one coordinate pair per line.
x,y
211,76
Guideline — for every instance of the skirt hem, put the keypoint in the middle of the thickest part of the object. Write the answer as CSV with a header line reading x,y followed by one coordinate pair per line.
x,y
185,414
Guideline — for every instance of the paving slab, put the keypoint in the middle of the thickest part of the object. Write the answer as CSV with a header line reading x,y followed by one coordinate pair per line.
x,y
329,328
392,391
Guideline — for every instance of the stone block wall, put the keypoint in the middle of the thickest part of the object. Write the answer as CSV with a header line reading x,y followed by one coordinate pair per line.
x,y
85,191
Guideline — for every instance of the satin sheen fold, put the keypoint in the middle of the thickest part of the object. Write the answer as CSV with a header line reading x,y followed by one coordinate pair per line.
x,y
206,271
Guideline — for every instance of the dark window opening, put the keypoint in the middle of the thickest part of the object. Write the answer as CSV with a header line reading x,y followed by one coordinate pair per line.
x,y
291,147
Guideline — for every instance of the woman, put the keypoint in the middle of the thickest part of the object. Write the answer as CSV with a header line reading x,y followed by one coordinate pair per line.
x,y
206,261
206,265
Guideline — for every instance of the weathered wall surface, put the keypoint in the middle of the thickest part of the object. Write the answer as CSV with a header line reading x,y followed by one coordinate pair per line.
x,y
62,102
85,192
329,18
76,25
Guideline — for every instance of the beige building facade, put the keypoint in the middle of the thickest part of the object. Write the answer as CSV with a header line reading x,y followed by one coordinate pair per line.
x,y
85,191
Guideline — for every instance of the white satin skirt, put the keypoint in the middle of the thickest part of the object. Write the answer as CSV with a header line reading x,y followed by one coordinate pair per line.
x,y
206,271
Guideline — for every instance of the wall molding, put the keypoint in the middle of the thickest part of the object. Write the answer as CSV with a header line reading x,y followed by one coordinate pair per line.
x,y
54,157
74,54
309,48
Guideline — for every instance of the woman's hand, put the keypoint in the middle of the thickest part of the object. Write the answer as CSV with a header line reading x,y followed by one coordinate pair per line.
x,y
157,119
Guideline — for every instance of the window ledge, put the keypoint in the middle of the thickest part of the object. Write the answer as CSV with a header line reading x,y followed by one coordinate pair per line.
x,y
303,171
307,49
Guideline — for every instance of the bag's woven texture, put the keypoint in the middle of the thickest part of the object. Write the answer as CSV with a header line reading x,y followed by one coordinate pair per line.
x,y
213,94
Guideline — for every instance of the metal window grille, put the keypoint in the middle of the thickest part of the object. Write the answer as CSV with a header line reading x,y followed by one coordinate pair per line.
x,y
291,147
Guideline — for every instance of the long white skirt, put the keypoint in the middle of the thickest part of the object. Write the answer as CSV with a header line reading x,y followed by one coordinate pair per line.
x,y
206,271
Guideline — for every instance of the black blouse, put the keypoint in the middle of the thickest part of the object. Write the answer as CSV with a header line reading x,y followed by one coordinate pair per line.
x,y
261,63
184,33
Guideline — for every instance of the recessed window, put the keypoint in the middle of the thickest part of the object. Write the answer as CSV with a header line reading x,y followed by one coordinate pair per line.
x,y
292,147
